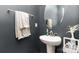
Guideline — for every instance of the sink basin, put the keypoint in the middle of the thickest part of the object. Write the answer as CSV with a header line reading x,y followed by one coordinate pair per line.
x,y
51,42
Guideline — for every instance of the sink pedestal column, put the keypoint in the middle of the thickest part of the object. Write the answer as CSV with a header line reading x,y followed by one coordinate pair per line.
x,y
50,49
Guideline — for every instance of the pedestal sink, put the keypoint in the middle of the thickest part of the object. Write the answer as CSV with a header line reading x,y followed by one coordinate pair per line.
x,y
51,42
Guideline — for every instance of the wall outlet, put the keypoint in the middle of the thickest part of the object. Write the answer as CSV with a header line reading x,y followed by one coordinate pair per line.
x,y
36,24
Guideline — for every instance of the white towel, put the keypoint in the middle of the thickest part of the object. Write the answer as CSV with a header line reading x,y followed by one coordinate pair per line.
x,y
22,26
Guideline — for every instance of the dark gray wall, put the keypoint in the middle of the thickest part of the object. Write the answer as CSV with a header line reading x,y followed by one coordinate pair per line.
x,y
8,42
42,27
71,18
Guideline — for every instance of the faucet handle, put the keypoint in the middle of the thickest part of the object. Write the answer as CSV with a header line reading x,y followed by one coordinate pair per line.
x,y
55,34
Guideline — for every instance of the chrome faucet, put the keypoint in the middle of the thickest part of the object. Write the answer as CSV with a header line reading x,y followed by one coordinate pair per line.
x,y
51,33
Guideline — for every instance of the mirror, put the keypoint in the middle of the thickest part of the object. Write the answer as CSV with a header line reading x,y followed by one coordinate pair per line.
x,y
51,15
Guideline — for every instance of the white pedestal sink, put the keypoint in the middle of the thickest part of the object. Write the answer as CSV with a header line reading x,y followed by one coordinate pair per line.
x,y
51,42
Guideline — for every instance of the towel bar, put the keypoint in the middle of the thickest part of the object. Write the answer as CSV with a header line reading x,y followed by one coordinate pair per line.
x,y
14,11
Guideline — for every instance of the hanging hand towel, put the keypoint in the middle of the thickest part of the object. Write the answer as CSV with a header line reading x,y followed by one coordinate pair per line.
x,y
22,26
